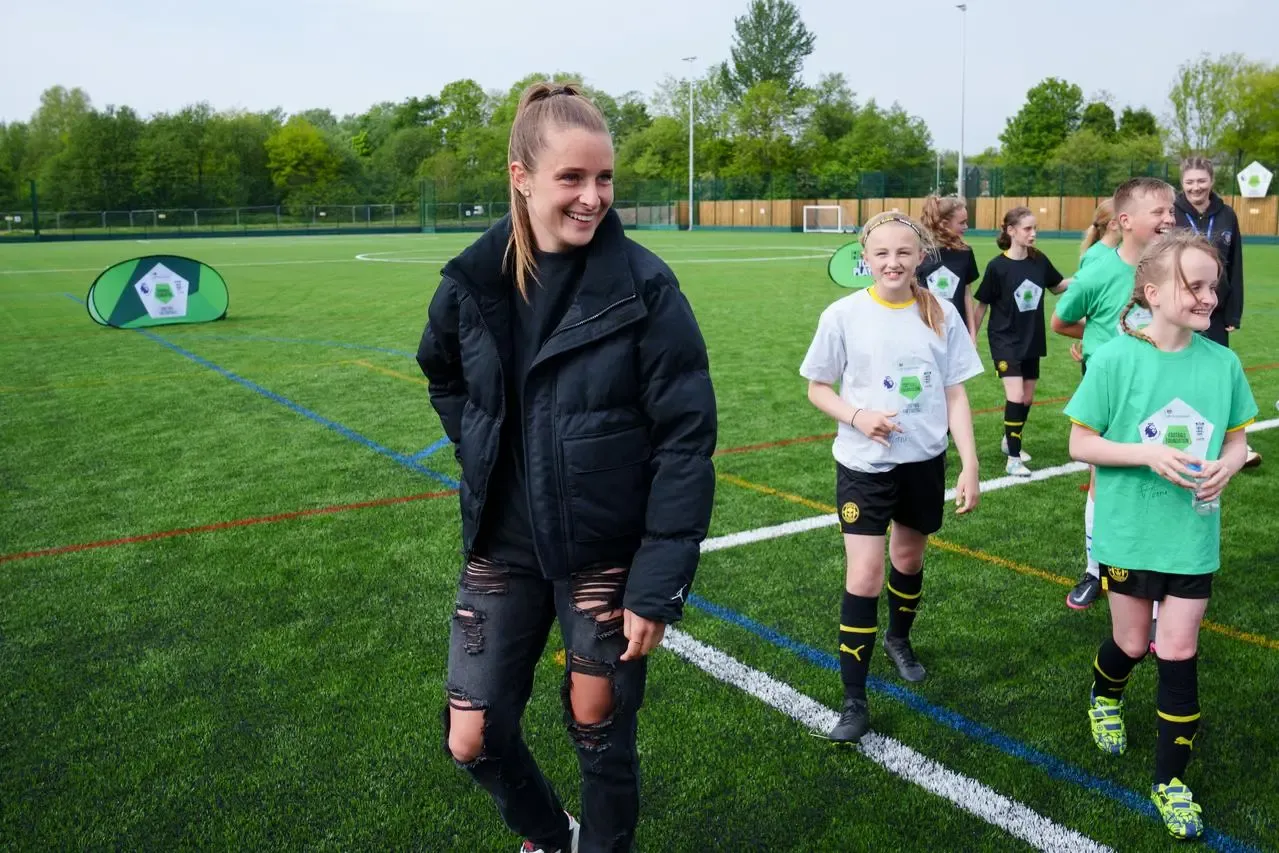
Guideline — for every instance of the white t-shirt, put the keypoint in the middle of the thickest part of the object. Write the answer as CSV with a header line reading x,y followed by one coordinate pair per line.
x,y
884,357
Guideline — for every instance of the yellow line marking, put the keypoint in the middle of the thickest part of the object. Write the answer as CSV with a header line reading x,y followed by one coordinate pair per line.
x,y
994,560
786,496
386,371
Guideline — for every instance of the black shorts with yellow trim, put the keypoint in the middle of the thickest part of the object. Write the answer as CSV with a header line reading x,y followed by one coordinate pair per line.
x,y
911,494
1155,586
1027,368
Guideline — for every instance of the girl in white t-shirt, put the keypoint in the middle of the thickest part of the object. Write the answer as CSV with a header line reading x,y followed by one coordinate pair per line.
x,y
900,357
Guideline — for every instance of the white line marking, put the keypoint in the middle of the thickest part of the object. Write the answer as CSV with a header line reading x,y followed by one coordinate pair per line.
x,y
967,793
816,522
790,528
371,256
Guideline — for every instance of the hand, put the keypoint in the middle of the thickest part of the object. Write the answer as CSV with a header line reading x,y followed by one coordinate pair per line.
x,y
1232,328
1213,479
967,491
1172,465
1077,351
877,426
644,635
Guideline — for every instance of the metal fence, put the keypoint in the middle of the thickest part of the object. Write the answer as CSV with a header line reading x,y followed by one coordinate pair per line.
x,y
658,203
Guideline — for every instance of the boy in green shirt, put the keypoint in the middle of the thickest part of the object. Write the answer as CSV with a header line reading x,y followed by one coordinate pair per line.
x,y
1091,307
1161,414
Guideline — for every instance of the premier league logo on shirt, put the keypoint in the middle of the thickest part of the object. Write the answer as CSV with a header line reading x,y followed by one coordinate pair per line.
x,y
1179,426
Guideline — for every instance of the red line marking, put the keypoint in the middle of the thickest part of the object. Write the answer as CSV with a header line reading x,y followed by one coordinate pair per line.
x,y
1261,367
224,525
785,442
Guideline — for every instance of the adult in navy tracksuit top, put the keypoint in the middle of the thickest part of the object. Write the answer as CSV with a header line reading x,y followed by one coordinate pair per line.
x,y
570,373
1200,209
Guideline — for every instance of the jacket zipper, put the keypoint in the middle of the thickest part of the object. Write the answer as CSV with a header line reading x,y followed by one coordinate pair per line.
x,y
556,450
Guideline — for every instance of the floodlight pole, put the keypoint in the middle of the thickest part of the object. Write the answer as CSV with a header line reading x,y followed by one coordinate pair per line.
x,y
689,60
963,74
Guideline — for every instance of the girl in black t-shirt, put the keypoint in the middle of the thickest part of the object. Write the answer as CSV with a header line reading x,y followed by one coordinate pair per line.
x,y
1013,290
949,272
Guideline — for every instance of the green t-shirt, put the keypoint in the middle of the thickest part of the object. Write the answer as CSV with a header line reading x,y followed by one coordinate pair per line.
x,y
1093,252
1134,393
1099,293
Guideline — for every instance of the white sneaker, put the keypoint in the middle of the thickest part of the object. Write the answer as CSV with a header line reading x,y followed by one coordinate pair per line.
x,y
1253,459
1025,457
573,826
1016,468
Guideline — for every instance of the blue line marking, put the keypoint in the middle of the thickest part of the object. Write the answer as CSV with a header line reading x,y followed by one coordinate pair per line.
x,y
432,448
409,462
1054,767
344,431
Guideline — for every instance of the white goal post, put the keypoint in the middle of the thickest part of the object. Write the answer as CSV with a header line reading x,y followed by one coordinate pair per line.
x,y
823,219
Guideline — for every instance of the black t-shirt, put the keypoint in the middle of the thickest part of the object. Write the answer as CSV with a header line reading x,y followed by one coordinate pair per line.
x,y
1014,290
506,530
948,274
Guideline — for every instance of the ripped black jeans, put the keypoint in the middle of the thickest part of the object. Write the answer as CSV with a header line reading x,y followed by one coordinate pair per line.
x,y
500,627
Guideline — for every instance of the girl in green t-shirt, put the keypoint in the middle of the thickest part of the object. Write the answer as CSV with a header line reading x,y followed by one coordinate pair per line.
x,y
1161,415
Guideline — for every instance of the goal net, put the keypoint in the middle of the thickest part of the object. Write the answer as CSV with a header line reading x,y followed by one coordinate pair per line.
x,y
823,219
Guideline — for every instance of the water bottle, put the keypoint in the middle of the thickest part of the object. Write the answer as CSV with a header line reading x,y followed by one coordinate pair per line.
x,y
1203,507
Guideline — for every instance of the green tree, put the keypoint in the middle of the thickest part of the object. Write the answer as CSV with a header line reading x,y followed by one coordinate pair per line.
x,y
1100,119
658,151
1051,113
1138,122
302,162
238,159
1254,132
770,43
765,121
96,170
50,129
1203,96
13,182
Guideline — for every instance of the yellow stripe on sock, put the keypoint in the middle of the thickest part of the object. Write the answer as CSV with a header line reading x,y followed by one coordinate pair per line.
x,y
851,630
1096,663
1014,423
1170,718
902,594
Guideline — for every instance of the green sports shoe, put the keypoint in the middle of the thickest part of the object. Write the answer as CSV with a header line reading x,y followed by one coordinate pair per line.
x,y
1106,716
1182,816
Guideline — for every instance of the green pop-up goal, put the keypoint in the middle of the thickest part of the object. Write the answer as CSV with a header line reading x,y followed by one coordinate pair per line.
x,y
157,290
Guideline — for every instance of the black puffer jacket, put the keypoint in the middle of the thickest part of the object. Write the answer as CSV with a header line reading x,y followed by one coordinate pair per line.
x,y
619,419
1221,226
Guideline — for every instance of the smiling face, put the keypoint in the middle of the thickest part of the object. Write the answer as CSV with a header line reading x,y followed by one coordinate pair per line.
x,y
957,222
893,252
1148,215
569,188
1186,297
1197,185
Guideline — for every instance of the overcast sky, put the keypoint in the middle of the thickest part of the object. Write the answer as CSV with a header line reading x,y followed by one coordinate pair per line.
x,y
159,55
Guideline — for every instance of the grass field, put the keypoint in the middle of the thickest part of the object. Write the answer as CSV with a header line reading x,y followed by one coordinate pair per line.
x,y
228,555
